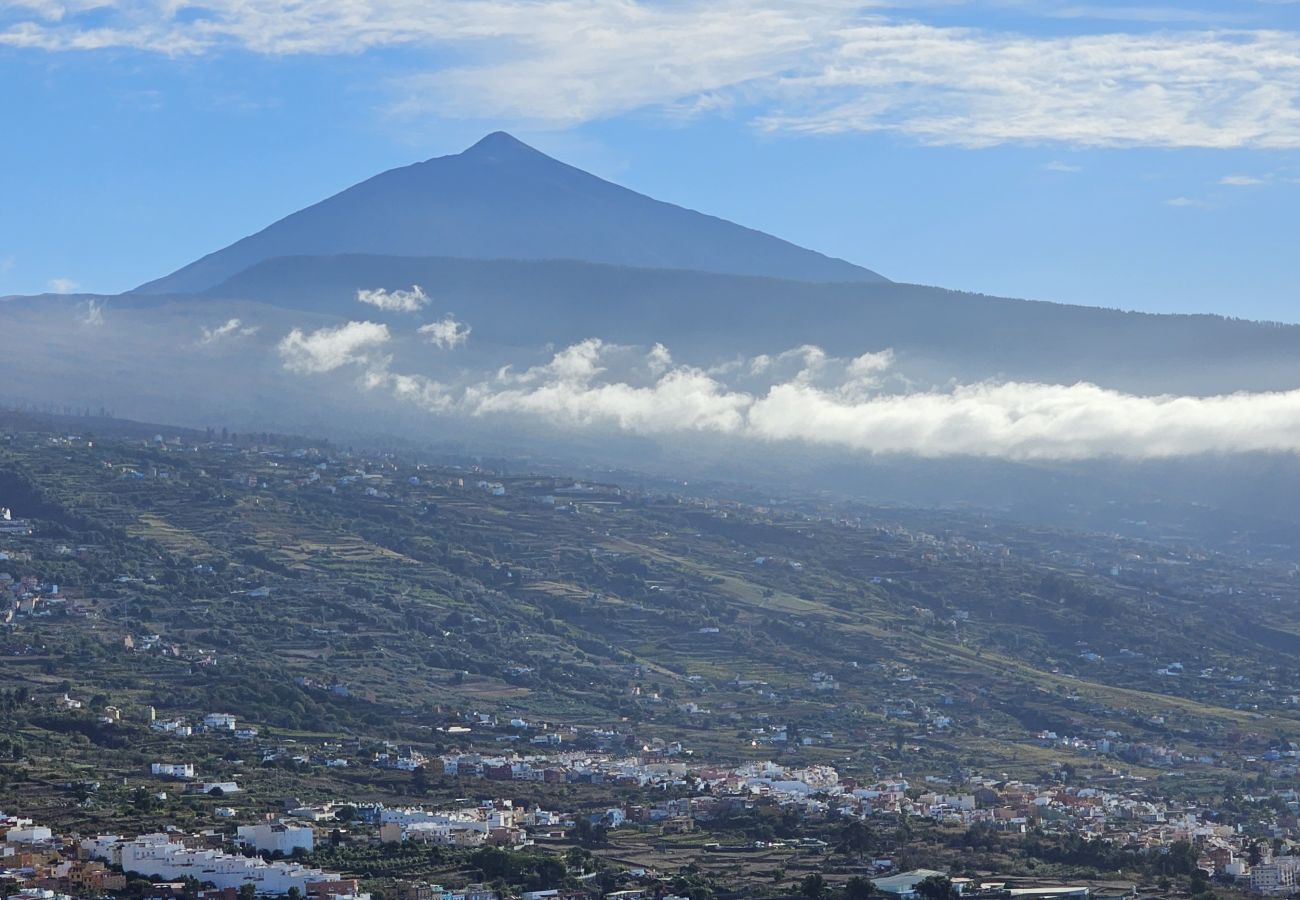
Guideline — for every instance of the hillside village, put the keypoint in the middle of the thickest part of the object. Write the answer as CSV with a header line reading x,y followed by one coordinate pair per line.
x,y
38,859
586,667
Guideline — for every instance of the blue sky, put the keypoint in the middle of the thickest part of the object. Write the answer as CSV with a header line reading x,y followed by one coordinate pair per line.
x,y
1141,155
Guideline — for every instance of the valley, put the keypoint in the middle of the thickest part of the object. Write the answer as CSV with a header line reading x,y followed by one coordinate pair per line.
x,y
339,602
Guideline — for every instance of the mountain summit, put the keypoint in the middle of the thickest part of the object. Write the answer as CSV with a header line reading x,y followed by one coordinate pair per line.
x,y
502,199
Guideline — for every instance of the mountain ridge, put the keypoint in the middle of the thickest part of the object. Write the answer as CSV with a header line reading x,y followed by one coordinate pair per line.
x,y
710,316
502,199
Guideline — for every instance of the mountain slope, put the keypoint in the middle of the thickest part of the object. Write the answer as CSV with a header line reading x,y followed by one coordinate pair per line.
x,y
437,596
709,317
501,199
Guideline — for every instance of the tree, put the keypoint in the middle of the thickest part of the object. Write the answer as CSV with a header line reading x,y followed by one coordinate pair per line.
x,y
420,780
813,885
1180,858
859,888
936,887
492,862
855,838
294,893
247,891
588,835
142,800
904,833
577,858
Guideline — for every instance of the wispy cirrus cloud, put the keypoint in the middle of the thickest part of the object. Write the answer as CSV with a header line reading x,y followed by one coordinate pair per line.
x,y
1242,180
609,58
975,88
808,67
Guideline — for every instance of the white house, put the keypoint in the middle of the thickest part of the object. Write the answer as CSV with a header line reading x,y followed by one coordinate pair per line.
x,y
30,834
219,721
270,837
207,787
172,770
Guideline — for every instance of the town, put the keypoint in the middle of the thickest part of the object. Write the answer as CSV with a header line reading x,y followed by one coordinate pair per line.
x,y
329,705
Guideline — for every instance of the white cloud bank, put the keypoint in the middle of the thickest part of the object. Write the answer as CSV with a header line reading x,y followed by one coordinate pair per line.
x,y
327,349
394,301
804,66
804,396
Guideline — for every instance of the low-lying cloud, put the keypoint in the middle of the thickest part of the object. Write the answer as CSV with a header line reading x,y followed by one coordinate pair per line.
x,y
327,349
394,301
861,404
447,333
92,314
232,328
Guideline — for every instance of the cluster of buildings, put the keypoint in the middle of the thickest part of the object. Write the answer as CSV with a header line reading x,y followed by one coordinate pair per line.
x,y
1121,810
1132,818
35,864
1111,743
497,823
501,823
27,596
563,768
655,769
1270,876
12,527
30,858
174,857
212,723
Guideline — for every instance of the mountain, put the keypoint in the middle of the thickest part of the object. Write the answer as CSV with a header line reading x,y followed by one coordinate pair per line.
x,y
532,256
501,199
938,334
